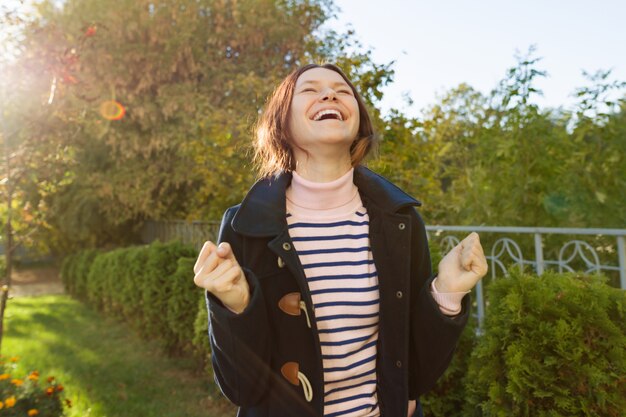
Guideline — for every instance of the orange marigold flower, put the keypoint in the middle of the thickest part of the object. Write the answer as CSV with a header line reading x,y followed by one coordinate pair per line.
x,y
33,376
17,382
10,402
1,405
59,387
15,358
50,379
5,376
33,412
49,391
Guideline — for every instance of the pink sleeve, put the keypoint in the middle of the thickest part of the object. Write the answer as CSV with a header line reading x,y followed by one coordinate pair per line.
x,y
449,302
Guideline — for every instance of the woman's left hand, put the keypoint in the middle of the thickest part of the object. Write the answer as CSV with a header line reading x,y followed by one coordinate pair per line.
x,y
462,267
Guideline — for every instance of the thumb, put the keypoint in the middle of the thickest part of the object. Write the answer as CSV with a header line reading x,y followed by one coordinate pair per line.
x,y
224,251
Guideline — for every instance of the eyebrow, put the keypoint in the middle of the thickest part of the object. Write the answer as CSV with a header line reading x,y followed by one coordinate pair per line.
x,y
335,84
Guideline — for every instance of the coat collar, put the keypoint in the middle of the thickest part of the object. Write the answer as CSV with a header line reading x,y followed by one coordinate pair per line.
x,y
262,212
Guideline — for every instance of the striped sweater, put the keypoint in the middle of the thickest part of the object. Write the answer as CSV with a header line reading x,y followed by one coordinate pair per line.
x,y
329,227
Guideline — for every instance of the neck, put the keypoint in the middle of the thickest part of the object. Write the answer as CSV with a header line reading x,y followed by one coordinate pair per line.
x,y
333,197
322,168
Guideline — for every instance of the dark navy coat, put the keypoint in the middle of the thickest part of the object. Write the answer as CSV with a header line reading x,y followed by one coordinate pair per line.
x,y
416,341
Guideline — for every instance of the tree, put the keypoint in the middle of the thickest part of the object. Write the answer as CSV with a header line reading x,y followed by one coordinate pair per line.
x,y
191,77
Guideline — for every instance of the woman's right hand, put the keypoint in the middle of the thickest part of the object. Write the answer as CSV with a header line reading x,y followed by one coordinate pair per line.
x,y
218,271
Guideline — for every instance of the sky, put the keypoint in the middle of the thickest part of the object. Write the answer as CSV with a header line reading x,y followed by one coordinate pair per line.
x,y
439,44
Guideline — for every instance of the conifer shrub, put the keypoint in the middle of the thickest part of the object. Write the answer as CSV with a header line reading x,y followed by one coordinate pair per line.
x,y
202,347
156,284
182,305
75,270
129,294
109,275
95,285
68,273
553,345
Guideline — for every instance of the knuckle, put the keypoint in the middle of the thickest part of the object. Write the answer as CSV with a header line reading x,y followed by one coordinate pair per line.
x,y
223,286
209,286
197,280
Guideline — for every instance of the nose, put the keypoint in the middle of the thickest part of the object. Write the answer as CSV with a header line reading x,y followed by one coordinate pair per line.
x,y
328,95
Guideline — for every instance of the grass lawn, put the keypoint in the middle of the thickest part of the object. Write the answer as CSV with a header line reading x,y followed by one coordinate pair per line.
x,y
106,369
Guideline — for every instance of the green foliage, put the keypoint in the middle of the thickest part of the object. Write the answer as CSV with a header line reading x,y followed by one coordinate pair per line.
x,y
192,88
500,159
96,280
129,305
156,282
150,287
27,395
201,344
182,304
553,346
75,271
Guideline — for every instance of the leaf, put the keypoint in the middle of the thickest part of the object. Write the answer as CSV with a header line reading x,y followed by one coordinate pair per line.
x,y
600,196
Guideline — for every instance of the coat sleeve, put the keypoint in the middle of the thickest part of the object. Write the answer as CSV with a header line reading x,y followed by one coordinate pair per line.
x,y
434,335
239,342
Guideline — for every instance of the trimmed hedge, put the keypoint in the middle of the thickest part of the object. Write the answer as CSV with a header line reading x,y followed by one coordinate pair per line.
x,y
74,272
151,287
182,306
552,346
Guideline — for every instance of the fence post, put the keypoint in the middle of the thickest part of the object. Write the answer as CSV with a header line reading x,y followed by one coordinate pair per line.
x,y
621,253
539,253
480,304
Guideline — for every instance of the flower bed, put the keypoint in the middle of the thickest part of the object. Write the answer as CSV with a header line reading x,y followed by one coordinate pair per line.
x,y
28,395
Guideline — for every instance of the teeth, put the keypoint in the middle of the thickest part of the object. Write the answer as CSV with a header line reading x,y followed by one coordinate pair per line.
x,y
325,112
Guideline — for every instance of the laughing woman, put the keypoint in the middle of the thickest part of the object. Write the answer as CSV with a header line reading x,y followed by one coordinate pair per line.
x,y
321,296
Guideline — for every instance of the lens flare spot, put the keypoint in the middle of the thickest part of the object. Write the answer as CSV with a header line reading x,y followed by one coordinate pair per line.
x,y
112,110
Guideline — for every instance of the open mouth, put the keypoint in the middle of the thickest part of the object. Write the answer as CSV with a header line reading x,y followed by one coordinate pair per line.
x,y
328,114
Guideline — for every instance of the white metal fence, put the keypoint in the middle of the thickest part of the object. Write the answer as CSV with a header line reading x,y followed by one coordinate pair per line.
x,y
572,253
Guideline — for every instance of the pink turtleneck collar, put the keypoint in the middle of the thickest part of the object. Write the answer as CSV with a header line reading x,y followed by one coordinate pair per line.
x,y
337,197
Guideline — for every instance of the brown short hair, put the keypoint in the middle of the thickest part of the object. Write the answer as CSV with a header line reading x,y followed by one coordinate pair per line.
x,y
272,145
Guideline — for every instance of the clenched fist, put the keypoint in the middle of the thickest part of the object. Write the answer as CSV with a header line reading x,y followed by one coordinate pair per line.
x,y
219,273
463,266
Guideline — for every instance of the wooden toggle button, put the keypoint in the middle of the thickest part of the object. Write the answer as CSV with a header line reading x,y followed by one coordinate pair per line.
x,y
290,371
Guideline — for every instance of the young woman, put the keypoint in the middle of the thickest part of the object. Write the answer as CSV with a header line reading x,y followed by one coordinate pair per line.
x,y
320,294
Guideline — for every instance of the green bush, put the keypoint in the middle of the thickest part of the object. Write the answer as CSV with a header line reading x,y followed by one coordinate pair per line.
x,y
96,280
128,290
202,347
68,276
156,283
553,346
182,305
75,271
149,286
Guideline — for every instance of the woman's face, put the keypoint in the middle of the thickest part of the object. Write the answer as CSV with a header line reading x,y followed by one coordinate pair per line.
x,y
323,111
